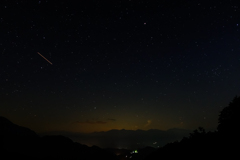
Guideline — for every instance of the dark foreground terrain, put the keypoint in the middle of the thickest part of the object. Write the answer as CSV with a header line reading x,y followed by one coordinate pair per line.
x,y
18,142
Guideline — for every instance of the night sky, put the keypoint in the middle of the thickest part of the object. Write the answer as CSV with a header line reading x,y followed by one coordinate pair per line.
x,y
118,64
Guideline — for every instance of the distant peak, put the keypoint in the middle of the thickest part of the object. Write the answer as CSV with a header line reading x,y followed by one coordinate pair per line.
x,y
4,120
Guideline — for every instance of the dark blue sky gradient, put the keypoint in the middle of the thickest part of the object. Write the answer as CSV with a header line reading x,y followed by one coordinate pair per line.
x,y
118,65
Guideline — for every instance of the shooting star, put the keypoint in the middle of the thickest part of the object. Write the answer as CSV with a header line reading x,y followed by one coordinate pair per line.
x,y
45,58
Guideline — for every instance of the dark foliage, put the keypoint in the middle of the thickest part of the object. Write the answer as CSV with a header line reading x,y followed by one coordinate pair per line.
x,y
217,145
228,118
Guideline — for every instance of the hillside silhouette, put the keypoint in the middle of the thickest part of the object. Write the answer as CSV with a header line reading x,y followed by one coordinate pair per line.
x,y
20,142
201,144
128,139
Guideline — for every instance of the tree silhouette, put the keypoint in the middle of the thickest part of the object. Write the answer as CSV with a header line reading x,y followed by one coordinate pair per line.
x,y
220,144
228,117
198,132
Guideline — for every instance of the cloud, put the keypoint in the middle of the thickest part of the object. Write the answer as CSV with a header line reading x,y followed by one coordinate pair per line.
x,y
148,123
111,119
89,122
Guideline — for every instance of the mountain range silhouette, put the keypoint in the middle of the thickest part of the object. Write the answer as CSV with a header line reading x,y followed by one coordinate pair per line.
x,y
128,139
21,142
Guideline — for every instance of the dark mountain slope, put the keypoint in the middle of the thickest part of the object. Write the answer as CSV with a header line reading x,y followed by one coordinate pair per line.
x,y
20,142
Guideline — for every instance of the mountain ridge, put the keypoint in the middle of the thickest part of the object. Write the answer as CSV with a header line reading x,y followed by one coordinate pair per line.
x,y
124,138
21,142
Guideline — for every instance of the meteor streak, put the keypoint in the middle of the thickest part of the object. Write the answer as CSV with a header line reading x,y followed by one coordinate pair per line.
x,y
45,58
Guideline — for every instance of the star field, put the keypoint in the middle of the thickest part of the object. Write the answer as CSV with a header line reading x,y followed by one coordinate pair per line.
x,y
118,65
